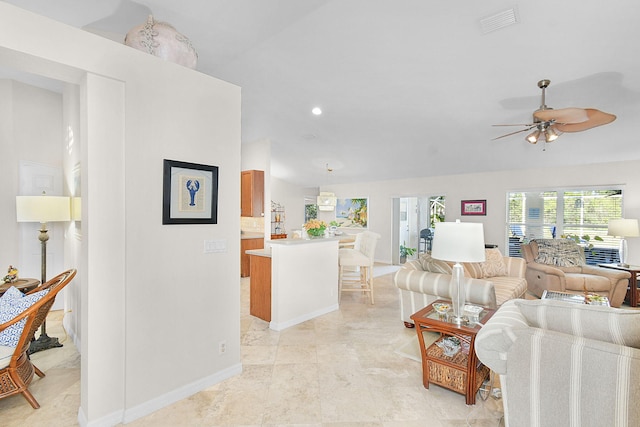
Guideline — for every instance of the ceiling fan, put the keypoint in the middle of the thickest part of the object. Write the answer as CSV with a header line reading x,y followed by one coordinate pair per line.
x,y
550,123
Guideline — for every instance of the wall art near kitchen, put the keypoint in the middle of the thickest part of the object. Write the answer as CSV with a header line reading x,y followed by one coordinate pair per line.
x,y
352,213
189,193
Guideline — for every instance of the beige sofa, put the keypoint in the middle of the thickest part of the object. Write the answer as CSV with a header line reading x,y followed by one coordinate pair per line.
x,y
490,284
559,265
564,364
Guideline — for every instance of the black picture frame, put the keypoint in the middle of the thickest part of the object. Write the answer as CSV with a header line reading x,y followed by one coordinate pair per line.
x,y
189,193
473,207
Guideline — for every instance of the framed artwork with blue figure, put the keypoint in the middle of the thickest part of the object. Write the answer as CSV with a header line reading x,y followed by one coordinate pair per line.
x,y
189,193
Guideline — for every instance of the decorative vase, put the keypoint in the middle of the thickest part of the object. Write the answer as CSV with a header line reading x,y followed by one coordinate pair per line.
x,y
162,40
315,233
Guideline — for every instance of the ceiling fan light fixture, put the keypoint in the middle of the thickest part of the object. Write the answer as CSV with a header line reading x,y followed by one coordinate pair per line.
x,y
532,138
550,134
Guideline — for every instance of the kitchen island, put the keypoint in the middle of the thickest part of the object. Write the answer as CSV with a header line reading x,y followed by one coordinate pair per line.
x,y
302,281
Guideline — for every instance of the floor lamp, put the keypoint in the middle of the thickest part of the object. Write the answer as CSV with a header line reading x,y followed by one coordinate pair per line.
x,y
43,209
623,228
458,242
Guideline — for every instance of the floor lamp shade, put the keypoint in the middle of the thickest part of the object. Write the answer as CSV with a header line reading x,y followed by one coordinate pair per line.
x,y
458,242
43,209
623,228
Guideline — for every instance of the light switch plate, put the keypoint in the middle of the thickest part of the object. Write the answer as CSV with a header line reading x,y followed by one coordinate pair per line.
x,y
215,246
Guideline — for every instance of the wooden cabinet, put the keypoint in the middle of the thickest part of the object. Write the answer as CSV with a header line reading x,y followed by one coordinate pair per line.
x,y
252,193
260,287
246,244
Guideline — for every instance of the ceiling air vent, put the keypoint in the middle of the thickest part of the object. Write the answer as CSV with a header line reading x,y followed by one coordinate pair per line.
x,y
498,20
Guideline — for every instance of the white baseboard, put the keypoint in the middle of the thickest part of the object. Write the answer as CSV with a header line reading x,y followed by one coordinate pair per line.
x,y
176,395
146,408
292,322
110,420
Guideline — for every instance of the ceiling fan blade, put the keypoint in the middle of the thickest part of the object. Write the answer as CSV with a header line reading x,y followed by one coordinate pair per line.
x,y
520,124
595,118
563,115
513,133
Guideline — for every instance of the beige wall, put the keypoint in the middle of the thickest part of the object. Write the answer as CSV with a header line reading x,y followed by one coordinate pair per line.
x,y
493,187
154,307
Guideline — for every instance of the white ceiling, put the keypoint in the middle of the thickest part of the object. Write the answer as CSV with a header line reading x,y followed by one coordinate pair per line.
x,y
409,88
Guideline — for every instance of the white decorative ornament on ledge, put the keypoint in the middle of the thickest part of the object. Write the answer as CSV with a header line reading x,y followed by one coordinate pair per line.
x,y
164,41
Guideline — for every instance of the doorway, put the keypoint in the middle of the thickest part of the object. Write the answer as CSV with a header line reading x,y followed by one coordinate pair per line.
x,y
414,222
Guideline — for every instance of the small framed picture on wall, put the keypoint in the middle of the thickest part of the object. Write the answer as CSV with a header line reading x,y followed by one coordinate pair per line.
x,y
473,207
190,193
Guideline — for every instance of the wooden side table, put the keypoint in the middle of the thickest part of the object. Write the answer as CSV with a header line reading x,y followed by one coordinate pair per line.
x,y
462,372
23,285
632,290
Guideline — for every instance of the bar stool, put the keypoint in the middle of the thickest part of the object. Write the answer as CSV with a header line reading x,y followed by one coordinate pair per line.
x,y
358,274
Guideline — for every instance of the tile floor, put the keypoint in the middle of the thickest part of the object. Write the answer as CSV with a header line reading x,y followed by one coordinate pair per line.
x,y
338,370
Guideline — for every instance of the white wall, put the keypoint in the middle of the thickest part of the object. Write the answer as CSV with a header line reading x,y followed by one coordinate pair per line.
x,y
154,307
30,132
72,164
493,187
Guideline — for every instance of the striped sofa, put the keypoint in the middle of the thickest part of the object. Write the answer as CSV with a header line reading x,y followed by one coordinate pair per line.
x,y
490,284
564,364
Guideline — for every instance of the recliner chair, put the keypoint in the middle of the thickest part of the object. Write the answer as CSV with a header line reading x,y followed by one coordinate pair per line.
x,y
558,265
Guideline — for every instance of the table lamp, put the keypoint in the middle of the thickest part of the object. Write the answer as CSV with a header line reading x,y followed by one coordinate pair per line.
x,y
458,242
623,228
43,209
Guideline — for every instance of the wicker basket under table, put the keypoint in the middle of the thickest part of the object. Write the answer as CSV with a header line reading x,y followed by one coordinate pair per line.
x,y
451,372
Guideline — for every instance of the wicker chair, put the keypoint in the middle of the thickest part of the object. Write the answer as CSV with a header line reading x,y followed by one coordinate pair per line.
x,y
17,371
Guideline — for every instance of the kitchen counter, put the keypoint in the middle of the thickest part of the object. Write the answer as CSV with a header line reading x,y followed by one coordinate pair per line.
x,y
289,241
251,235
260,252
294,280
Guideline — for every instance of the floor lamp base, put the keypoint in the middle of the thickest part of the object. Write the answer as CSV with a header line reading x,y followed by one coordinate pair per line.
x,y
44,342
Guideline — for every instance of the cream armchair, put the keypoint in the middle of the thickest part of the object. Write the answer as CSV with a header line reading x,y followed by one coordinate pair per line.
x,y
558,265
564,364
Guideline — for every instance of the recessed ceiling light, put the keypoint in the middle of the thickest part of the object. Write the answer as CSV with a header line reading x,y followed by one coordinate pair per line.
x,y
316,111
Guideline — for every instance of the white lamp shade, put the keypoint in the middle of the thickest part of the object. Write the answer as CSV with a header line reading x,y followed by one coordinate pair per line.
x,y
326,201
43,209
458,242
623,228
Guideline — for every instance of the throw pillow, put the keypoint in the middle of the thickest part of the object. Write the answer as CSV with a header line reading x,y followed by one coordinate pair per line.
x,y
598,323
434,265
11,293
559,252
494,265
473,270
11,306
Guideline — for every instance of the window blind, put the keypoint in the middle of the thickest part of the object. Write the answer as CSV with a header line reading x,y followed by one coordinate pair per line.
x,y
579,214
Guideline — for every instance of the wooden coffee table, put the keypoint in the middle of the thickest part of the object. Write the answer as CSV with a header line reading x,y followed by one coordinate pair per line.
x,y
23,285
462,372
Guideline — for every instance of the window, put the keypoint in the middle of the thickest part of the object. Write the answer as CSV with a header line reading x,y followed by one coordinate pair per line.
x,y
581,214
310,208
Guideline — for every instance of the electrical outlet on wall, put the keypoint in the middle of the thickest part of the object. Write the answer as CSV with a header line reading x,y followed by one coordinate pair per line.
x,y
222,347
